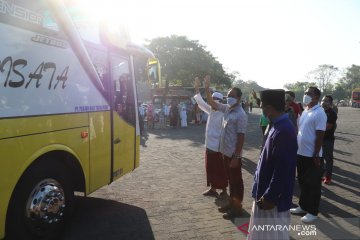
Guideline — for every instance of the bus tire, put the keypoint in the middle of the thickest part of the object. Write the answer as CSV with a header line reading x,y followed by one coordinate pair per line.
x,y
41,202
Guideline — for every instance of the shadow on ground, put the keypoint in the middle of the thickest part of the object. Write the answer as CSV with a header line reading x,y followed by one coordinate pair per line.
x,y
96,218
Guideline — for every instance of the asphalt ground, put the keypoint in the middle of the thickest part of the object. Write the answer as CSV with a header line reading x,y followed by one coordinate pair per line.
x,y
162,198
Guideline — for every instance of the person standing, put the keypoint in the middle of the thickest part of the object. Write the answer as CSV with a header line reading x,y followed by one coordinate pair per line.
x,y
141,118
275,173
263,123
183,117
174,115
214,164
166,113
310,136
290,110
294,105
329,139
231,145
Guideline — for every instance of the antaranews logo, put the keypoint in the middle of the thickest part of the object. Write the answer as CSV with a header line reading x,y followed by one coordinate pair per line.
x,y
301,230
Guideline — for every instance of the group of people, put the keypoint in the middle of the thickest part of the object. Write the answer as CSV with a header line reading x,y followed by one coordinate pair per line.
x,y
293,140
174,115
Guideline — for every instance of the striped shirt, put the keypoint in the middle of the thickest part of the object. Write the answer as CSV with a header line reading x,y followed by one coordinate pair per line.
x,y
234,122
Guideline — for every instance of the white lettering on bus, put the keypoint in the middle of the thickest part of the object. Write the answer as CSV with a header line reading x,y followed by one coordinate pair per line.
x,y
20,12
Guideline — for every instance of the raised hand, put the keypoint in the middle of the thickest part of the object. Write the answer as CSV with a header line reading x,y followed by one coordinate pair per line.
x,y
254,94
197,84
207,81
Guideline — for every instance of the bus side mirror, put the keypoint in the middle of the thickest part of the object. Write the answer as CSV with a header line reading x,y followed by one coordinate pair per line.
x,y
154,72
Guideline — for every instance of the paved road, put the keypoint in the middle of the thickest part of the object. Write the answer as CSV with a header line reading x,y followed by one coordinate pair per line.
x,y
162,198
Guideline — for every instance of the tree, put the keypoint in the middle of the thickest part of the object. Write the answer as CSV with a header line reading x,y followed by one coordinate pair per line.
x,y
339,93
351,79
182,60
323,76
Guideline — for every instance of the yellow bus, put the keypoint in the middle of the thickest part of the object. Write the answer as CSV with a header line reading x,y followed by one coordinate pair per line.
x,y
68,114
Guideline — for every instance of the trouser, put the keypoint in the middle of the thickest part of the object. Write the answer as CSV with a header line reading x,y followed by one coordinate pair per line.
x,y
310,184
328,155
236,183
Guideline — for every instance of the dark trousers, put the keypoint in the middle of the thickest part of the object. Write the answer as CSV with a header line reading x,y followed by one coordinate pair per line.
x,y
236,183
328,155
309,176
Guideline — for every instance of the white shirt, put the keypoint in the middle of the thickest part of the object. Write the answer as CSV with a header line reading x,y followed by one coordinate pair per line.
x,y
213,125
311,120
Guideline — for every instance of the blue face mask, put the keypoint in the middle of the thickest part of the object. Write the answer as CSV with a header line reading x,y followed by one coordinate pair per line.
x,y
231,101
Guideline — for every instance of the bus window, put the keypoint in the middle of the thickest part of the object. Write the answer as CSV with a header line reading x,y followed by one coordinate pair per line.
x,y
98,56
87,25
124,99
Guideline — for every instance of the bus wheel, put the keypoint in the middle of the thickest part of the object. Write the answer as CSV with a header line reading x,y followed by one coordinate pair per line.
x,y
40,203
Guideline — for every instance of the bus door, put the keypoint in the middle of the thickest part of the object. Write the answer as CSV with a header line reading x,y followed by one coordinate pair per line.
x,y
123,116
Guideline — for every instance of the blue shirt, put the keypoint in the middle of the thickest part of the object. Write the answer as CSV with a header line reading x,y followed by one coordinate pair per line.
x,y
275,172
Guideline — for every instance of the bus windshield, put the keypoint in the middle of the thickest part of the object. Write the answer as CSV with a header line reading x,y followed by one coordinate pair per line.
x,y
92,25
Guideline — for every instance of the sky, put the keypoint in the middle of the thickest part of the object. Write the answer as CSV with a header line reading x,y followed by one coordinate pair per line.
x,y
272,42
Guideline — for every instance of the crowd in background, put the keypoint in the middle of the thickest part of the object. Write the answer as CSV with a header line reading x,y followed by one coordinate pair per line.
x,y
176,114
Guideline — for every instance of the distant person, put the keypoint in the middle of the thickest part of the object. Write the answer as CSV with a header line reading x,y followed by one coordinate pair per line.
x,y
174,115
214,163
183,117
150,116
290,110
293,104
312,126
275,173
141,118
231,145
253,93
166,113
329,139
161,119
251,106
263,123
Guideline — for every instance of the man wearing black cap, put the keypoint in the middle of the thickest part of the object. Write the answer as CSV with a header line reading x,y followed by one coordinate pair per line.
x,y
275,173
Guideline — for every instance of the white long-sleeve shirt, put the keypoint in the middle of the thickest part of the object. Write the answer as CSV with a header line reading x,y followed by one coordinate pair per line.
x,y
213,125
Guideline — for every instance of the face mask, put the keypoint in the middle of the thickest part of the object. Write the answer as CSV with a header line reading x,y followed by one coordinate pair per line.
x,y
306,100
231,101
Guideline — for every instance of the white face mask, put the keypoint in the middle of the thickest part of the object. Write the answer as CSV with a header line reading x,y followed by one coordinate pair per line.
x,y
306,100
231,101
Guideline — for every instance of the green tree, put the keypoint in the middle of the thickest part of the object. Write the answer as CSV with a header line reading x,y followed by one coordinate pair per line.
x,y
182,60
323,75
339,93
351,79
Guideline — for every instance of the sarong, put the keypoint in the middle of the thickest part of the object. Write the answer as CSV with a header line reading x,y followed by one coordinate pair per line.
x,y
215,170
268,224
